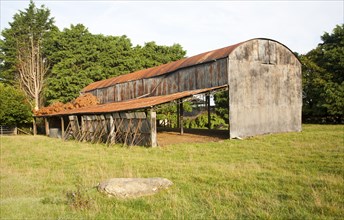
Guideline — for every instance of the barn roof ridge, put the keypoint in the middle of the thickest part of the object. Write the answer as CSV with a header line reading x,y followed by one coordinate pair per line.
x,y
163,69
201,58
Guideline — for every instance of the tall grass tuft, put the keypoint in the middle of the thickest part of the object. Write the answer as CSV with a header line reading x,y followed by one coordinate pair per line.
x,y
79,199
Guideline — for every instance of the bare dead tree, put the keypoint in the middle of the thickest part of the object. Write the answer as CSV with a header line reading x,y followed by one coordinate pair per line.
x,y
32,68
24,49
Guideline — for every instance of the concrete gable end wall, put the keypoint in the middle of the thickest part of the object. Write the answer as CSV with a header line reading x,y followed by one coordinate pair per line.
x,y
265,89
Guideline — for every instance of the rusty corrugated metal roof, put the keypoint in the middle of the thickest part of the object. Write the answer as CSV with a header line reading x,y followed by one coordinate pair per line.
x,y
165,68
132,104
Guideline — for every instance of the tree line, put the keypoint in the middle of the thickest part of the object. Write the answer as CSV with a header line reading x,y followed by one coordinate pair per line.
x,y
40,65
323,79
47,65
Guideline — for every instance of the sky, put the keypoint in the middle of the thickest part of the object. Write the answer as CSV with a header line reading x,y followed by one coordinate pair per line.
x,y
199,26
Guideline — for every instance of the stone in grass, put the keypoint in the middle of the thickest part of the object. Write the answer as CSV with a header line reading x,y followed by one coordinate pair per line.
x,y
133,187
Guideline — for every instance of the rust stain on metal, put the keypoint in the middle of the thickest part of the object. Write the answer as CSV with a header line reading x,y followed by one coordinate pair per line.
x,y
165,68
133,104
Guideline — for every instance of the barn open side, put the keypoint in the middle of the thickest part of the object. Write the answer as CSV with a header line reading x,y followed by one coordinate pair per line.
x,y
262,78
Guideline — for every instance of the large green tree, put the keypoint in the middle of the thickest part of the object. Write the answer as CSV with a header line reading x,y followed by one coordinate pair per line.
x,y
14,107
151,54
222,105
52,65
323,78
80,57
23,61
167,113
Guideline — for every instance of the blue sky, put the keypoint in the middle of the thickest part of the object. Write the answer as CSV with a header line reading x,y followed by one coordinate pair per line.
x,y
199,26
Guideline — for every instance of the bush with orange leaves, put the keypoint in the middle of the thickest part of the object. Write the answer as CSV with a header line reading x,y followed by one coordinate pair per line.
x,y
80,102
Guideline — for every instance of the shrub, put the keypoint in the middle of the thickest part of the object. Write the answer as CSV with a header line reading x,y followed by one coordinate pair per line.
x,y
14,107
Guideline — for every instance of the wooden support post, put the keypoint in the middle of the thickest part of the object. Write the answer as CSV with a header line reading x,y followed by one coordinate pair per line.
x,y
46,121
111,124
178,115
181,117
34,125
152,117
62,127
83,129
208,107
110,128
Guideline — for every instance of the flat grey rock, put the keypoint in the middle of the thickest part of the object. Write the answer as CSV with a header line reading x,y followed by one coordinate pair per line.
x,y
133,187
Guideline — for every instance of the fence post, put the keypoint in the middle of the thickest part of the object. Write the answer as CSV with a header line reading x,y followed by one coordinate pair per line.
x,y
34,125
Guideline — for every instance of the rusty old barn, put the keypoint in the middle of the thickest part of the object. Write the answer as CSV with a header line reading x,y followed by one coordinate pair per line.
x,y
262,77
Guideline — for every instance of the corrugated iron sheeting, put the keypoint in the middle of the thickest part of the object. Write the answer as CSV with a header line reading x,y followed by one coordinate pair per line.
x,y
165,68
133,104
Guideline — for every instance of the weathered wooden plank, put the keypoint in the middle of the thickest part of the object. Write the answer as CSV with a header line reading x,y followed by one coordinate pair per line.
x,y
71,117
181,116
62,126
116,115
46,122
140,115
34,124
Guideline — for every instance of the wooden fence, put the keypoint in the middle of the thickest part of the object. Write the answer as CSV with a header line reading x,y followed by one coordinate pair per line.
x,y
8,130
126,128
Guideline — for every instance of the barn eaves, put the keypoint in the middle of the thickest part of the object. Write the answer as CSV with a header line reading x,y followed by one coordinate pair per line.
x,y
133,104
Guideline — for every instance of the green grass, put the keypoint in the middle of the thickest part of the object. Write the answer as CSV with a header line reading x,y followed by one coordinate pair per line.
x,y
280,176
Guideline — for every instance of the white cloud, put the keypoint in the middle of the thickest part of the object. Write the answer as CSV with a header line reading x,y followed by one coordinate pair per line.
x,y
197,26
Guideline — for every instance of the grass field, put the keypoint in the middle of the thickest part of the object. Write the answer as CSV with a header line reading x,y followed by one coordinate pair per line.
x,y
281,176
